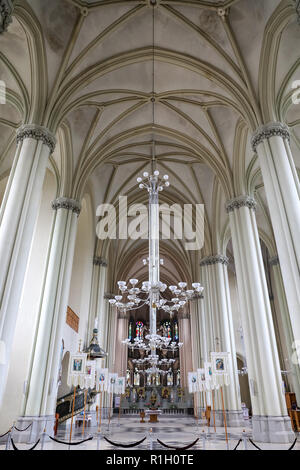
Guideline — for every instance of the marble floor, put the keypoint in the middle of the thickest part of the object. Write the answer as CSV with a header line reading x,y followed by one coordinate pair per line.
x,y
175,431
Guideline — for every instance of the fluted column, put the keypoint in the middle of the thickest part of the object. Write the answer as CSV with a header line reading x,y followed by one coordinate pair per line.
x,y
121,353
216,287
97,299
270,420
186,364
272,144
40,401
19,211
294,369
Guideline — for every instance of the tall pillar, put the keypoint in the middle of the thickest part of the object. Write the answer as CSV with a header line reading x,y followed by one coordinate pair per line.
x,y
6,11
271,142
185,352
294,369
97,299
121,353
40,401
270,420
217,289
19,211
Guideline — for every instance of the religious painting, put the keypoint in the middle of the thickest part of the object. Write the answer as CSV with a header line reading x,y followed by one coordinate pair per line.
x,y
208,370
219,363
102,380
141,393
77,364
193,382
165,393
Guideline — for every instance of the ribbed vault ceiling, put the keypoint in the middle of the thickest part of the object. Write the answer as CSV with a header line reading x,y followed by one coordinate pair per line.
x,y
84,69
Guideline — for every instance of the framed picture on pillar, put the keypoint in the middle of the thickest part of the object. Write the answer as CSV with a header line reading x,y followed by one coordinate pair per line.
x,y
219,363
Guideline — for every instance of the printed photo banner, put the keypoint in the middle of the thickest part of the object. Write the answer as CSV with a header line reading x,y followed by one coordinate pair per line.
x,y
193,382
219,364
201,380
77,370
210,378
120,386
112,381
90,374
102,380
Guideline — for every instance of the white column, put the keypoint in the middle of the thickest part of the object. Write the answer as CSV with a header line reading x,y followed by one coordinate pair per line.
x,y
294,369
270,420
121,353
40,402
97,299
185,353
18,216
271,142
216,288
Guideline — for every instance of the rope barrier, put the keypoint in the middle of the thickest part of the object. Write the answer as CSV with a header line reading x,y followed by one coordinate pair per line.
x,y
178,448
293,445
237,444
22,430
3,435
253,443
125,445
15,447
71,443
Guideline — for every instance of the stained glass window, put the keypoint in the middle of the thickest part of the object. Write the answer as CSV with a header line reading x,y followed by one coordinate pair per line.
x,y
167,329
170,379
176,333
139,329
130,331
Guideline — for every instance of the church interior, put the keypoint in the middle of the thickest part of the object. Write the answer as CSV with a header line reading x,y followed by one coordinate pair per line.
x,y
149,224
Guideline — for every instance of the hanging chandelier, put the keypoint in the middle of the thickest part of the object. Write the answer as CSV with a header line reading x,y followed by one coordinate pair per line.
x,y
152,292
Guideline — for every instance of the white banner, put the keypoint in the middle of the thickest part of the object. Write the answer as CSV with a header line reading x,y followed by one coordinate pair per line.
x,y
77,370
193,382
102,380
112,380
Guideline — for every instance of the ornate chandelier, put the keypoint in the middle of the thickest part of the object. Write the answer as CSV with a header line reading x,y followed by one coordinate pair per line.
x,y
132,297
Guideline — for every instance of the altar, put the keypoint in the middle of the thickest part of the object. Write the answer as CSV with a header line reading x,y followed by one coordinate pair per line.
x,y
153,415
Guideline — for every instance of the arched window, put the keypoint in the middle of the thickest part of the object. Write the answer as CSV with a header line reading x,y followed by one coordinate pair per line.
x,y
170,379
139,330
136,379
176,332
167,329
130,331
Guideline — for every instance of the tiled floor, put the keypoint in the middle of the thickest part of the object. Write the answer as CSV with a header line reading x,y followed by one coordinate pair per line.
x,y
173,431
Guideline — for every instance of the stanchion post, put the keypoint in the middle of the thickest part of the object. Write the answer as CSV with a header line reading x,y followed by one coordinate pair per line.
x,y
99,425
83,425
245,440
73,406
43,439
213,404
224,415
8,441
110,407
203,439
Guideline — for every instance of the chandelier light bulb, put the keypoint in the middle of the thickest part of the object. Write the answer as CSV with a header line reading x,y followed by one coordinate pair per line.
x,y
139,179
156,173
145,174
141,186
167,183
166,177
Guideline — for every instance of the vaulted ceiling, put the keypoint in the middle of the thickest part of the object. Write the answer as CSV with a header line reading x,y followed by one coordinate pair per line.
x,y
85,70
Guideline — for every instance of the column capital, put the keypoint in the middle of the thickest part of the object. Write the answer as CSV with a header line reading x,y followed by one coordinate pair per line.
x,y
209,260
66,203
266,131
183,315
33,131
274,261
6,9
122,315
98,261
240,201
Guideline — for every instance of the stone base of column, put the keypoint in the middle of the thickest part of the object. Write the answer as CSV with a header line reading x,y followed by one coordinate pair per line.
x,y
34,432
273,429
234,419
